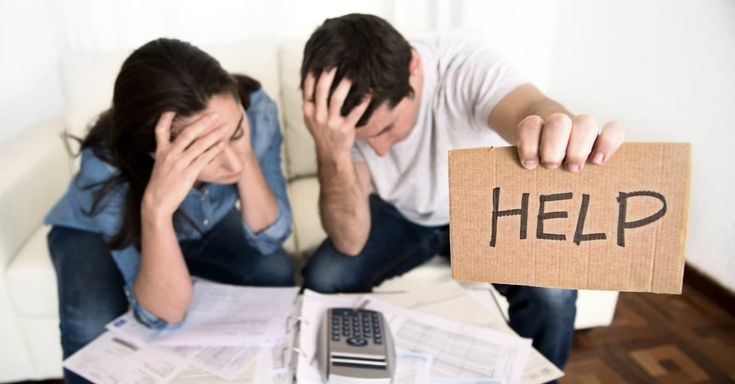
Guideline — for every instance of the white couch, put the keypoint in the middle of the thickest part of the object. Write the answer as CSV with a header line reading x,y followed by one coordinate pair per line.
x,y
36,169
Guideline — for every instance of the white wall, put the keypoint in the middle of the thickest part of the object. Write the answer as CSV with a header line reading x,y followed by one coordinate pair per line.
x,y
666,69
663,68
30,88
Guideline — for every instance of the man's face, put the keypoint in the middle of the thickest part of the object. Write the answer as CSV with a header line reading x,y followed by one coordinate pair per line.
x,y
388,126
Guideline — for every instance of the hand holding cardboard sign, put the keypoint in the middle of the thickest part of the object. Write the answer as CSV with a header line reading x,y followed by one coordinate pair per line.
x,y
562,139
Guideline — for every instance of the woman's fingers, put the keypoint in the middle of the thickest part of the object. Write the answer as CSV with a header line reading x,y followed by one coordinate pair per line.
x,y
163,131
205,158
193,132
202,144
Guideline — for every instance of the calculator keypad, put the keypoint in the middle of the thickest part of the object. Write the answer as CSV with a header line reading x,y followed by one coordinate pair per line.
x,y
359,327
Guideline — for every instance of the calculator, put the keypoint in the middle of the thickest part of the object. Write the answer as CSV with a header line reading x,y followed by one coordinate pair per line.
x,y
355,346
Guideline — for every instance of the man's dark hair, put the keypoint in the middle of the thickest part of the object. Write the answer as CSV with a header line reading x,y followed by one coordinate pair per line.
x,y
367,50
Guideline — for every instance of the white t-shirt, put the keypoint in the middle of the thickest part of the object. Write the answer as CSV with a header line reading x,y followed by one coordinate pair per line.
x,y
462,83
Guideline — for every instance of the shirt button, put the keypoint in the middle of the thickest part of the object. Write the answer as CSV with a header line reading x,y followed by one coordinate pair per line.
x,y
206,222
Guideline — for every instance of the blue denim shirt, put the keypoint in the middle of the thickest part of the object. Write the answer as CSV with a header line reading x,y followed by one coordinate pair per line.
x,y
206,206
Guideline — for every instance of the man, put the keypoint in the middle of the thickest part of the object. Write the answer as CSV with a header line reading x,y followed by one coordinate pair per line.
x,y
384,112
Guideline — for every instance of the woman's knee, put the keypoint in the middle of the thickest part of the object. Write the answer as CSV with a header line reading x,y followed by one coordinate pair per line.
x,y
279,268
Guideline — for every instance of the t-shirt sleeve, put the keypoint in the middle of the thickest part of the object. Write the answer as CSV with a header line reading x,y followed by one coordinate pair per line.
x,y
479,77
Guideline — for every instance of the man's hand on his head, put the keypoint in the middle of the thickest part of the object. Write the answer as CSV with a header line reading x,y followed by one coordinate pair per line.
x,y
562,140
333,133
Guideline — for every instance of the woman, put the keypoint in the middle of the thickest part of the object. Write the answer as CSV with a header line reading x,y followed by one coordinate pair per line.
x,y
155,198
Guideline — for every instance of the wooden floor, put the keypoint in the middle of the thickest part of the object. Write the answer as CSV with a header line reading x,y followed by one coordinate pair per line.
x,y
657,339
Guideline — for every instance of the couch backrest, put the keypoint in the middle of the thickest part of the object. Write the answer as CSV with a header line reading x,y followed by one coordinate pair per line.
x,y
89,78
299,144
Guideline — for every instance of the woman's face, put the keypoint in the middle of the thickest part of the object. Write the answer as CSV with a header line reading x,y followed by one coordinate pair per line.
x,y
227,167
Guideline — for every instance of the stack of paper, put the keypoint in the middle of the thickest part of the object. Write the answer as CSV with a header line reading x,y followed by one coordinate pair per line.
x,y
234,334
230,332
442,334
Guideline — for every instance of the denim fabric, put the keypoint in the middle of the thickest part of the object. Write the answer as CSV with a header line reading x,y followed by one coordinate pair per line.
x,y
395,245
91,287
205,206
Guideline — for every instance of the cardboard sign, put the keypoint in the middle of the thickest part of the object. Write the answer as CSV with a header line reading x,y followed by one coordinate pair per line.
x,y
620,226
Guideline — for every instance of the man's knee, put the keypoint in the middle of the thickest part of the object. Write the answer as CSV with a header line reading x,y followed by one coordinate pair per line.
x,y
329,271
555,303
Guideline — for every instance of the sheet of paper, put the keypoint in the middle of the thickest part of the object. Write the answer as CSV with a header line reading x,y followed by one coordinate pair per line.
x,y
224,362
220,315
108,359
538,369
477,306
467,381
459,350
412,368
450,300
194,375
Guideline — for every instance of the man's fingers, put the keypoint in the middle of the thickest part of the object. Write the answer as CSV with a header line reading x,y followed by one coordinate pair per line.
x,y
308,88
356,113
529,136
554,139
581,140
607,142
338,98
163,130
194,131
322,94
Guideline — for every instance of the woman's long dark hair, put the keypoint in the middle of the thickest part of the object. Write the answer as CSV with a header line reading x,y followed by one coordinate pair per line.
x,y
162,75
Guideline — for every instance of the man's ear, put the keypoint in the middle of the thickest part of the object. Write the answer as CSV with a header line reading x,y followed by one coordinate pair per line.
x,y
415,64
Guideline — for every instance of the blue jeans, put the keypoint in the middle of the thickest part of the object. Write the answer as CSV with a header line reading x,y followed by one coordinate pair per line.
x,y
396,245
91,292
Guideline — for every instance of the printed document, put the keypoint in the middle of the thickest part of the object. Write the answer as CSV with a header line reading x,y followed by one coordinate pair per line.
x,y
220,315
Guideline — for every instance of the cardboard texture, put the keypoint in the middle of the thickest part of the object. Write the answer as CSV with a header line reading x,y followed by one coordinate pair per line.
x,y
605,228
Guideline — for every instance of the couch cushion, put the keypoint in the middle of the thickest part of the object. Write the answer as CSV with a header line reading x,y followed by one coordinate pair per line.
x,y
32,280
304,195
299,144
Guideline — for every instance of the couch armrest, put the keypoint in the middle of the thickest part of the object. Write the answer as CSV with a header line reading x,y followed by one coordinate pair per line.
x,y
35,172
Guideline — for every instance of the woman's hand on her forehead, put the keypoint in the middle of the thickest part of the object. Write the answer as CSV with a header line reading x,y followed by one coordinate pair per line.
x,y
178,163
